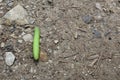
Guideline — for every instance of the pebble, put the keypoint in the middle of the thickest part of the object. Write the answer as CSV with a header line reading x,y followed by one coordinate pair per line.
x,y
32,70
20,41
28,30
1,0
43,56
9,58
9,3
72,66
98,6
28,37
50,61
97,34
87,19
2,44
23,33
9,47
18,14
98,17
31,20
56,41
76,35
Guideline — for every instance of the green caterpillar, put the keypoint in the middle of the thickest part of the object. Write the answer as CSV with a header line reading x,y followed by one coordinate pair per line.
x,y
36,44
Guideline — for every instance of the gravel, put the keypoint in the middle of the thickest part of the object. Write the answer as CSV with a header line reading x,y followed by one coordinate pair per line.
x,y
9,58
66,37
28,37
98,6
2,44
97,34
17,14
20,41
87,19
56,41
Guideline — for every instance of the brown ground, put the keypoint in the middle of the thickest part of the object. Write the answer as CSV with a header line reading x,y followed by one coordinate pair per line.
x,y
86,50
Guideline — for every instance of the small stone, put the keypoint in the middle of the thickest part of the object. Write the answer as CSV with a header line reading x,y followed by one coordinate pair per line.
x,y
1,0
98,6
98,17
23,33
50,61
32,70
55,52
76,35
97,34
87,19
9,58
18,14
58,47
9,47
10,4
72,65
2,44
28,37
56,41
20,41
13,36
31,20
43,56
28,30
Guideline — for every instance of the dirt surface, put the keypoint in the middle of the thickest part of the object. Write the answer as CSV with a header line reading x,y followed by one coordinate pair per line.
x,y
80,37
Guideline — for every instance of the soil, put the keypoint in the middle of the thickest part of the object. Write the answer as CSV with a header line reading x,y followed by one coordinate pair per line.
x,y
81,39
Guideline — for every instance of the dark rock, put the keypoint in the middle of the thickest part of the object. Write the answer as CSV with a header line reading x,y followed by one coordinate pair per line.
x,y
9,47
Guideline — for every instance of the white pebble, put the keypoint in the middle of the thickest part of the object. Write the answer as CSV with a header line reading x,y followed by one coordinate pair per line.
x,y
72,66
76,35
32,70
23,33
50,61
56,41
9,58
20,41
98,6
28,37
65,74
2,44
98,17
